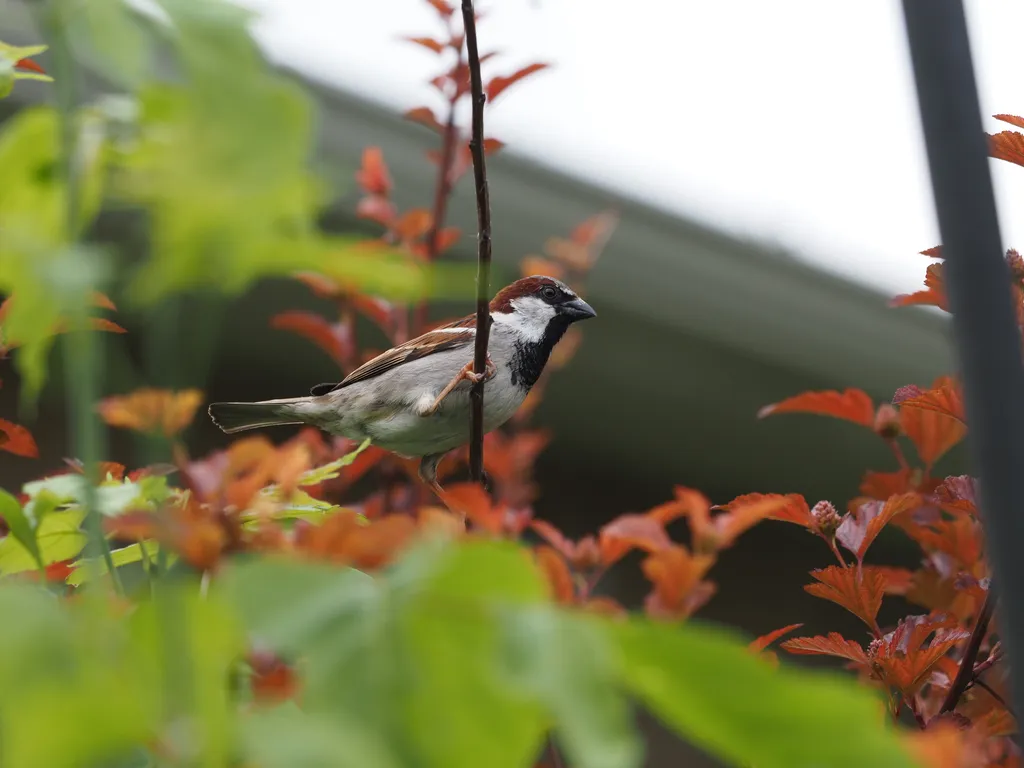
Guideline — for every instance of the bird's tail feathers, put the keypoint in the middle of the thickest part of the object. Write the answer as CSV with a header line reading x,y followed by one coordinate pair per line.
x,y
238,417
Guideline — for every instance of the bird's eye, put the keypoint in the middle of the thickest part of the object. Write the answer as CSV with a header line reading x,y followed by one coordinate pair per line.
x,y
548,292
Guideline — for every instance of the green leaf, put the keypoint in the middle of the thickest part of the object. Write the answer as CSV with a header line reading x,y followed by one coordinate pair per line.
x,y
72,689
19,525
705,684
133,553
286,737
105,35
58,536
415,655
330,471
113,497
571,663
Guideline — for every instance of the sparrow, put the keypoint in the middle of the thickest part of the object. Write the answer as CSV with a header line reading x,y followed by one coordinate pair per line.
x,y
413,400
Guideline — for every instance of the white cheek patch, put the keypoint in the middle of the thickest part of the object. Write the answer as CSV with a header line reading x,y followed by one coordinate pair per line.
x,y
530,318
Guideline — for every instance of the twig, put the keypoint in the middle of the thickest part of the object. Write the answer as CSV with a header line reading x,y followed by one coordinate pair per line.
x,y
965,675
483,262
556,756
996,696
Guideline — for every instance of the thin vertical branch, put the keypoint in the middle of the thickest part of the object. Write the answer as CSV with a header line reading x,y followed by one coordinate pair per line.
x,y
965,675
483,262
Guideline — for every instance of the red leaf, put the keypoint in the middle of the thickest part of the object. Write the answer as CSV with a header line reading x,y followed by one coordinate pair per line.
x,y
373,176
1011,119
557,573
1008,146
427,42
677,578
424,116
862,526
475,504
100,324
499,84
934,294
413,224
17,440
492,145
442,7
832,645
882,485
378,310
852,405
958,494
377,208
554,537
934,252
945,400
794,511
765,640
447,237
932,431
628,532
858,591
103,301
335,339
29,65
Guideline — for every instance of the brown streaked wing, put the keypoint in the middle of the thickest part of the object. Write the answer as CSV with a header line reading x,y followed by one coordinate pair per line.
x,y
437,340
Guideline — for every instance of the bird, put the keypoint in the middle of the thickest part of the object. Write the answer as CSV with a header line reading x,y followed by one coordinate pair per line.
x,y
413,400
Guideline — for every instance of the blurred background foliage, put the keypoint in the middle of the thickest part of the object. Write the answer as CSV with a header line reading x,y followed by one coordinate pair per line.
x,y
169,171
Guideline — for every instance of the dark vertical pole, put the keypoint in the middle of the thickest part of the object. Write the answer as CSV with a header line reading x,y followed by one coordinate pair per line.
x,y
978,284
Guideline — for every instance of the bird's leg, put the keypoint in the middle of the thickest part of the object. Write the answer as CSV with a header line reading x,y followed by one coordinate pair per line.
x,y
428,474
466,374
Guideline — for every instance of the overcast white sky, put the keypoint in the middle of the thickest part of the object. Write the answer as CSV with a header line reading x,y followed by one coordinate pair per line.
x,y
794,121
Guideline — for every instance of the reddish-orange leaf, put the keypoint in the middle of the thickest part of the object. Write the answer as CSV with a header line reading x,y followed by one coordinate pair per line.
x,y
414,223
932,432
935,252
861,527
17,440
1008,146
30,65
441,520
492,145
537,265
897,580
102,324
859,592
272,680
852,405
687,503
557,574
334,339
628,532
677,578
1011,119
764,641
473,501
373,176
934,294
442,7
882,485
833,644
447,237
427,42
497,85
958,494
792,507
377,208
424,116
103,301
946,400
722,530
554,537
903,660
151,410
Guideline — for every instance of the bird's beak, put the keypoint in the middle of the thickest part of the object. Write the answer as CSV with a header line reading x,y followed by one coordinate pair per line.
x,y
578,309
